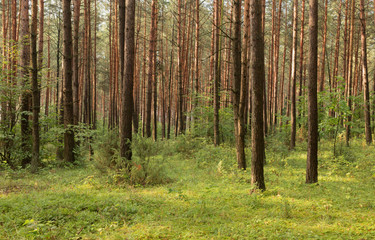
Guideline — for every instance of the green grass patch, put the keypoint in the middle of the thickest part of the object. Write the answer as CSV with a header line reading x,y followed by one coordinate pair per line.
x,y
206,198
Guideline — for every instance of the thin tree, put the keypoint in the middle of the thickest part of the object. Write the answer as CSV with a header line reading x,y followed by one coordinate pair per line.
x,y
25,74
151,67
301,53
238,115
257,76
324,46
196,54
87,99
293,78
77,5
312,142
276,63
180,123
155,74
35,87
4,64
337,47
366,94
217,73
349,72
68,75
13,63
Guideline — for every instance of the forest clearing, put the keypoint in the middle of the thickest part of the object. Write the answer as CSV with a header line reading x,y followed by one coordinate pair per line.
x,y
187,119
206,197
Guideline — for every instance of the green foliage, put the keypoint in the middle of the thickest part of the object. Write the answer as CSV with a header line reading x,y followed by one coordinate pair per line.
x,y
203,125
335,110
187,144
146,167
106,154
209,198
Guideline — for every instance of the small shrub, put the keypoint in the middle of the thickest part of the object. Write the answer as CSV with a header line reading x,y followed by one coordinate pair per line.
x,y
147,164
146,167
106,151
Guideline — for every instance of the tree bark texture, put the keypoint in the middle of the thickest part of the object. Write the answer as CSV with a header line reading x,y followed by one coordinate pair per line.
x,y
312,142
257,75
68,77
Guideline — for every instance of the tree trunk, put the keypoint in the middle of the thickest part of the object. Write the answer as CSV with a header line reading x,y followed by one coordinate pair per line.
x,y
257,75
180,113
293,78
282,96
337,48
13,64
196,54
25,75
68,91
217,73
48,91
127,94
301,56
151,67
35,87
77,5
237,79
322,71
94,90
349,72
155,73
312,142
4,64
87,110
276,64
366,94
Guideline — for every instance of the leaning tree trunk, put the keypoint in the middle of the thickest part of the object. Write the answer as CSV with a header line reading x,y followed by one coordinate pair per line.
x,y
312,142
257,75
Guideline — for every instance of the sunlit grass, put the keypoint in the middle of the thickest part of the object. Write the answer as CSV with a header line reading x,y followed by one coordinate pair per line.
x,y
208,198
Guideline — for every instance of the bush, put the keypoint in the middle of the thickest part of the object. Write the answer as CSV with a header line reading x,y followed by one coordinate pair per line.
x,y
106,151
146,167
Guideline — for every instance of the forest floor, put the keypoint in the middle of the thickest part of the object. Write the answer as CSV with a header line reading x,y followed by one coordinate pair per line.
x,y
206,199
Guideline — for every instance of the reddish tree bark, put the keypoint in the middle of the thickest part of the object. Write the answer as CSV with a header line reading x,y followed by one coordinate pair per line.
x,y
257,75
77,5
25,75
35,87
322,71
366,94
237,80
293,77
312,142
68,90
127,94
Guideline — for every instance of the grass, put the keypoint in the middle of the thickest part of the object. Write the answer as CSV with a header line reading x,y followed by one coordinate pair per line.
x,y
207,199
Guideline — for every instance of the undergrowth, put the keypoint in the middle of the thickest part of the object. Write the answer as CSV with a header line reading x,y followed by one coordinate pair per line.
x,y
202,196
